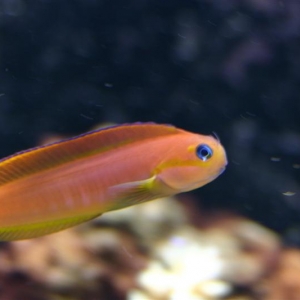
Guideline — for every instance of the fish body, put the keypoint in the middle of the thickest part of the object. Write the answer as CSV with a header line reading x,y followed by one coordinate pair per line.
x,y
49,188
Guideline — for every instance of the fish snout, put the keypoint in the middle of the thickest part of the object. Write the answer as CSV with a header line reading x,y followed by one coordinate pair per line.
x,y
222,169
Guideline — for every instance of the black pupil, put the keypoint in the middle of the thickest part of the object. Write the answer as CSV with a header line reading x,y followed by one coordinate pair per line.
x,y
204,152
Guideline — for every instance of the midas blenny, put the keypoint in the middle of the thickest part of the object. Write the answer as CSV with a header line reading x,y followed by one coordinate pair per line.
x,y
52,187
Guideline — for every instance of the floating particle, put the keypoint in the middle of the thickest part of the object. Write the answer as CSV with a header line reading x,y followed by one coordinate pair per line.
x,y
288,193
108,85
276,159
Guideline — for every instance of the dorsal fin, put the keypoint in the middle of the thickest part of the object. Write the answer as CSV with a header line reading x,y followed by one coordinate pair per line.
x,y
99,141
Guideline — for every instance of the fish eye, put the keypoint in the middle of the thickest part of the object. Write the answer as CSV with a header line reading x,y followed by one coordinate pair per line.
x,y
204,152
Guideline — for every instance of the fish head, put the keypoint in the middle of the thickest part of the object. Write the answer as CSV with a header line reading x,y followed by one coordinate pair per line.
x,y
195,161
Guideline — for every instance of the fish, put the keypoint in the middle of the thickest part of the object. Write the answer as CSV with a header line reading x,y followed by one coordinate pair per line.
x,y
52,187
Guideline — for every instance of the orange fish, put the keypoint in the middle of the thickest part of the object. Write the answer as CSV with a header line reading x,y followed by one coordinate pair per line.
x,y
49,188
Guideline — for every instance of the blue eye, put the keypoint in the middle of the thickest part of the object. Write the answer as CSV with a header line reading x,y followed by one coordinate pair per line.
x,y
204,152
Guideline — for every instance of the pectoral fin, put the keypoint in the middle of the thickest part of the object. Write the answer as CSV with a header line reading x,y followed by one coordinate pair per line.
x,y
131,193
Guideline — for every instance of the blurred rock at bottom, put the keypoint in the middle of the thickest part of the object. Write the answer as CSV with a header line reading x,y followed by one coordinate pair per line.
x,y
161,250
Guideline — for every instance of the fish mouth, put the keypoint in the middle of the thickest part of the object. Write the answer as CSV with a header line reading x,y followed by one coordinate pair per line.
x,y
213,177
208,179
222,170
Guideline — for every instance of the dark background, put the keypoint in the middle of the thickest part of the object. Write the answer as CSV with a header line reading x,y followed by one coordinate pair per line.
x,y
230,67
